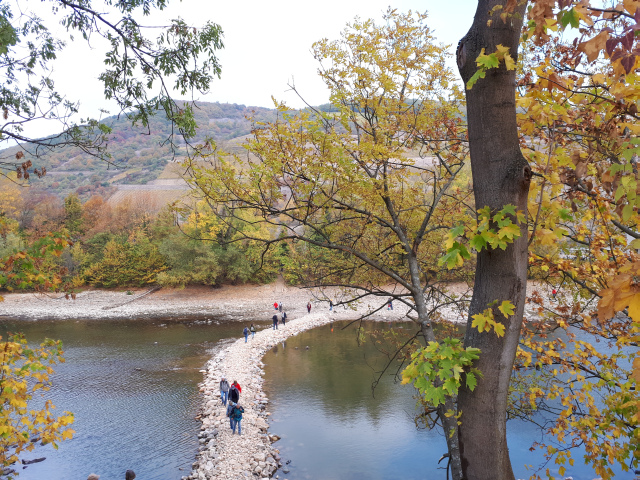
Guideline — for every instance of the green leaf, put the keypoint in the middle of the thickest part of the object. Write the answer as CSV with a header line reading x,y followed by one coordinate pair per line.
x,y
452,259
478,242
565,214
457,231
471,381
451,386
488,61
569,17
508,209
474,78
627,212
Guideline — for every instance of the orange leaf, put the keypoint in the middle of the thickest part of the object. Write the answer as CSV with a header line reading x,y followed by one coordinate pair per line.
x,y
593,47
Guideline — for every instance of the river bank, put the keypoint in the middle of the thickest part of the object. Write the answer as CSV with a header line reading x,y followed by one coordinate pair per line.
x,y
251,302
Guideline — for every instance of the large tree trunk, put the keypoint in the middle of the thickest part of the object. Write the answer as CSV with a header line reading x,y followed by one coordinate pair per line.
x,y
501,176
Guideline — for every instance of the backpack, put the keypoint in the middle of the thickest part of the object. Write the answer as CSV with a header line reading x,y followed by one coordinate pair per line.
x,y
245,331
237,412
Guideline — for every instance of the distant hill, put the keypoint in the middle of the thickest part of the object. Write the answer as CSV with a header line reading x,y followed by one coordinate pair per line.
x,y
140,155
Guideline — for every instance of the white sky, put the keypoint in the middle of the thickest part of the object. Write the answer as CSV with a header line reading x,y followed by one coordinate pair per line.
x,y
267,44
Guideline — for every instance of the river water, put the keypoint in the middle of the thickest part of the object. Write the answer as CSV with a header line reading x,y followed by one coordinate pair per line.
x,y
332,428
133,388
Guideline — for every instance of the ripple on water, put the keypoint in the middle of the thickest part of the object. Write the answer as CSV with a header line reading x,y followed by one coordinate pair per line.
x,y
133,388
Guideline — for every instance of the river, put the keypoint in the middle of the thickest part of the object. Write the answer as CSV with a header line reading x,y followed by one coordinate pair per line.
x,y
133,387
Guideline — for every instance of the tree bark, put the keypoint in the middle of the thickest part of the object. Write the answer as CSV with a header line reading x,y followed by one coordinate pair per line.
x,y
501,176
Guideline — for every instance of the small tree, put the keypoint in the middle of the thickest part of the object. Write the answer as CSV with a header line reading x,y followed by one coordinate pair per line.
x,y
365,192
23,373
73,219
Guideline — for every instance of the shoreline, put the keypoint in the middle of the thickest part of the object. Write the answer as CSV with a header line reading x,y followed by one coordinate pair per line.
x,y
236,302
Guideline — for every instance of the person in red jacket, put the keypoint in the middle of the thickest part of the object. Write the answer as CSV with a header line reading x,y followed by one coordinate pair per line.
x,y
237,385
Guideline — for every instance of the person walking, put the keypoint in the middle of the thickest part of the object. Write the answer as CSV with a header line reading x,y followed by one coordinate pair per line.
x,y
253,331
245,333
330,305
308,307
228,412
275,322
224,390
280,307
234,394
237,385
390,305
236,419
284,318
275,305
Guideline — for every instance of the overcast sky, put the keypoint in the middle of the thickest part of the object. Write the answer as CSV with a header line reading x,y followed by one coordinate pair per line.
x,y
267,45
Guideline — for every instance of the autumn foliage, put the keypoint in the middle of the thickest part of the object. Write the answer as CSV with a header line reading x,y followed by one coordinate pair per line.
x,y
24,376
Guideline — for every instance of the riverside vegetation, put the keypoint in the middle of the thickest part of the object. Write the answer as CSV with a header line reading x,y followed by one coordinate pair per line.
x,y
406,181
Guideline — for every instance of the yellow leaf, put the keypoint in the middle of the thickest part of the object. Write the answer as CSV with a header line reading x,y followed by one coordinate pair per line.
x,y
634,307
509,62
636,370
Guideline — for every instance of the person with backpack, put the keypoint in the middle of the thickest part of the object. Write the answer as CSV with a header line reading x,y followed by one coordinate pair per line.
x,y
275,322
224,390
253,331
236,418
228,412
234,394
245,333
284,318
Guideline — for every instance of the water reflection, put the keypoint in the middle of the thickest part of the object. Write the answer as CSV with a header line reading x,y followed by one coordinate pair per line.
x,y
332,427
132,386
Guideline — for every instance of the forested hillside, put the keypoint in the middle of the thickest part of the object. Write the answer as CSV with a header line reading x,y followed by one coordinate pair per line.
x,y
139,155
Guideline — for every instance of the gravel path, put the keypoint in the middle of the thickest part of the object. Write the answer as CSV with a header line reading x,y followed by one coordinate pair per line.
x,y
225,456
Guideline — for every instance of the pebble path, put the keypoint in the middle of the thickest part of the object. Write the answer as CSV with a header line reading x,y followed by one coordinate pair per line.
x,y
222,455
